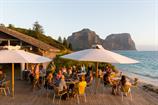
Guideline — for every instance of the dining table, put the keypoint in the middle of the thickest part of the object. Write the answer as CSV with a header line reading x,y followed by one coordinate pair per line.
x,y
72,86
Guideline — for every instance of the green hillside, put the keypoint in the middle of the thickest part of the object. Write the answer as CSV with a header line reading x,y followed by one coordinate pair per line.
x,y
47,39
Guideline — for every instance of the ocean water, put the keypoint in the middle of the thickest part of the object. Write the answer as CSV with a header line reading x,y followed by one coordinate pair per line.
x,y
147,68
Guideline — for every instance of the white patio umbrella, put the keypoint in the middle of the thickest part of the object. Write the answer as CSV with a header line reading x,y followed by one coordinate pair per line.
x,y
20,56
99,54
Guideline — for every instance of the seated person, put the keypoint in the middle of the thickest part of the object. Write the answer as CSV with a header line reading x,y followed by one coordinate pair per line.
x,y
89,78
69,73
49,81
135,83
2,77
64,70
124,81
113,75
107,69
113,83
100,73
59,75
90,69
124,84
75,75
107,80
63,86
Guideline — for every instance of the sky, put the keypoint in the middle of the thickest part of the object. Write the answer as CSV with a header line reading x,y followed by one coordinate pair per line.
x,y
63,17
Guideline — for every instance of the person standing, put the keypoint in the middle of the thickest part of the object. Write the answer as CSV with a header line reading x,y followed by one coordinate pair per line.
x,y
83,68
42,72
36,78
89,69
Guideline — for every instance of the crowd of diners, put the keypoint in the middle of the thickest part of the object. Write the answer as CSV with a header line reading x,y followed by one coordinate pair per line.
x,y
53,77
118,81
72,77
65,78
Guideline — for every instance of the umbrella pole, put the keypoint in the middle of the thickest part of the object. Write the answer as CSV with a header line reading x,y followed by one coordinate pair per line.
x,y
96,69
12,79
97,79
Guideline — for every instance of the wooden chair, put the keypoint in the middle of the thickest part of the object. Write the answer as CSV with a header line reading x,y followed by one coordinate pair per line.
x,y
90,86
5,88
126,90
2,90
58,93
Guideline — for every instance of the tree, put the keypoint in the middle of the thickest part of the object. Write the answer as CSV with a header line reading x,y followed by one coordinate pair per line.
x,y
60,39
70,46
65,43
11,26
38,29
31,33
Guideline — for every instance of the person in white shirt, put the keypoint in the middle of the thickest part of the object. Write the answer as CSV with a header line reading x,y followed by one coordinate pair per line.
x,y
83,68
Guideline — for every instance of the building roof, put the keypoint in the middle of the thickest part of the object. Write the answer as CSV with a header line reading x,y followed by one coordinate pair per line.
x,y
28,39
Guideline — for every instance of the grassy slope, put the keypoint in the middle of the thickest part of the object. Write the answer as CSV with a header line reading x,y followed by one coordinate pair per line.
x,y
47,39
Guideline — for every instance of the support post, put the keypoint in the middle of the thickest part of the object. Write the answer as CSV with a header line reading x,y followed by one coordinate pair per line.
x,y
22,69
8,42
12,79
96,79
96,69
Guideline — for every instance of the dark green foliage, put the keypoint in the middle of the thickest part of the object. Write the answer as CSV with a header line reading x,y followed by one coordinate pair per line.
x,y
64,62
60,39
37,28
70,46
59,62
11,26
103,65
65,43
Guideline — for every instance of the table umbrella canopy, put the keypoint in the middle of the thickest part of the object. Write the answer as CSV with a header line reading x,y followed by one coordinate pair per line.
x,y
99,54
20,56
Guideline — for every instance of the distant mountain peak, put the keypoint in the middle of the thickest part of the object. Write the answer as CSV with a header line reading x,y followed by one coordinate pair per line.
x,y
119,34
86,30
121,41
86,38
